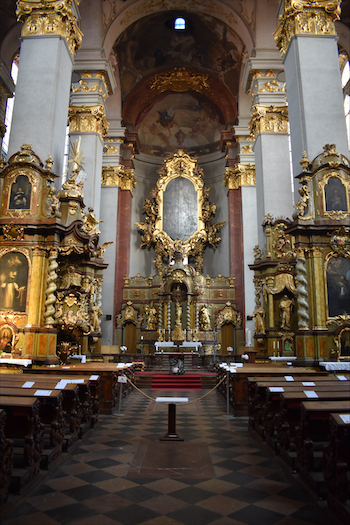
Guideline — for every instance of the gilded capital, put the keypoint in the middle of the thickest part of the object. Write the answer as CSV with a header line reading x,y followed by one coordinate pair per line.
x,y
118,176
51,17
268,119
305,17
240,175
88,119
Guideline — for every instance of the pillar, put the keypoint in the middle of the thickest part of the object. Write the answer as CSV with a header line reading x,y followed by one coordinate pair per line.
x,y
50,37
307,39
7,88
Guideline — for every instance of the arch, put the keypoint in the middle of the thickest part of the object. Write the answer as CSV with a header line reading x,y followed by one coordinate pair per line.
x,y
142,8
10,45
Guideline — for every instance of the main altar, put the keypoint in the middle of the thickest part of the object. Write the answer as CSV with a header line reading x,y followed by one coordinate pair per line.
x,y
179,309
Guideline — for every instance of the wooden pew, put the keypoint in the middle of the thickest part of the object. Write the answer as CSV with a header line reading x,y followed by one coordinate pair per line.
x,y
71,403
6,459
78,402
51,415
108,377
239,385
24,427
336,466
311,437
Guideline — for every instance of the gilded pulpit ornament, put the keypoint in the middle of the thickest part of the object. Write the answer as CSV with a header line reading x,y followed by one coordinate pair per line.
x,y
179,216
306,17
50,17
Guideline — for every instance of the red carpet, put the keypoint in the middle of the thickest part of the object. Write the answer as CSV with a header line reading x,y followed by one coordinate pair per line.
x,y
174,382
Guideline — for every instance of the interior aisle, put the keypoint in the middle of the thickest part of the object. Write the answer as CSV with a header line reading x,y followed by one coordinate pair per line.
x,y
121,474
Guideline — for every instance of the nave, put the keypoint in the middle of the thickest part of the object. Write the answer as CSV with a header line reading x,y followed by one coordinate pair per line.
x,y
121,474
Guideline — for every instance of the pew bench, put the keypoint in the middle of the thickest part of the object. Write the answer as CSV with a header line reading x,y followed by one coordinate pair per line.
x,y
6,463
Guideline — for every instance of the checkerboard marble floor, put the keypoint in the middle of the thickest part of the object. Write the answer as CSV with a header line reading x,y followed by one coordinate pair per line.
x,y
121,474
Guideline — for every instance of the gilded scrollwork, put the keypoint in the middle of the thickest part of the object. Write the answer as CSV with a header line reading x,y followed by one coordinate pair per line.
x,y
179,80
177,166
13,232
88,119
228,315
340,241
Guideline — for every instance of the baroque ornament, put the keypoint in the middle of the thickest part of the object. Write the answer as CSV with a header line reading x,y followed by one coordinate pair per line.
x,y
268,119
340,241
306,17
88,119
240,175
179,80
52,17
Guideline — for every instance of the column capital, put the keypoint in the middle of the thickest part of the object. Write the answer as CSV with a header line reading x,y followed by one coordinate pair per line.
x,y
88,119
50,18
268,119
118,176
240,175
306,17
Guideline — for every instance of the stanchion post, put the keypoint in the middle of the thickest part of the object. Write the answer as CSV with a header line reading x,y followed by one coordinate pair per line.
x,y
228,392
121,380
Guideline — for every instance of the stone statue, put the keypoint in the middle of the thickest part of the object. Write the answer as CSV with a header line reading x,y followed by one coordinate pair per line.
x,y
285,306
259,317
151,317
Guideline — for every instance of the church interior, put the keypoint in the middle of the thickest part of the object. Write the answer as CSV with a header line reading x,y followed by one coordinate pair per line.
x,y
174,206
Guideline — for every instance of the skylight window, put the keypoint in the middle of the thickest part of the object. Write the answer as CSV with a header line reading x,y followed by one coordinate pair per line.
x,y
180,24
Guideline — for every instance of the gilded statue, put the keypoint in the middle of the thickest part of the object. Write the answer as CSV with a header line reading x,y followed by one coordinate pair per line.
x,y
259,318
95,315
151,318
285,307
204,318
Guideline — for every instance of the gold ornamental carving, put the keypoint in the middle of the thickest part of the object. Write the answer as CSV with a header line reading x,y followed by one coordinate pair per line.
x,y
228,315
340,241
305,17
179,80
88,119
240,175
51,17
118,176
180,165
13,232
268,119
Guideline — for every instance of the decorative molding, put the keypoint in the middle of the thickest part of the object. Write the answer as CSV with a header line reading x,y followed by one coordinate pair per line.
x,y
88,119
179,80
268,119
48,18
240,175
305,17
118,176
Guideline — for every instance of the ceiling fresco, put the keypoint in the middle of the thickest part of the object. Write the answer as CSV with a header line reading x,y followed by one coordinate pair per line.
x,y
180,120
151,44
188,119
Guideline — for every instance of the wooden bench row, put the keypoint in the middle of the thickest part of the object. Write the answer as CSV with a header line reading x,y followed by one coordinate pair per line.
x,y
305,422
44,412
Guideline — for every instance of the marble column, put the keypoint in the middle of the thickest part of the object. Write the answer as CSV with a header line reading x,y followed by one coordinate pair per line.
x,y
307,39
50,38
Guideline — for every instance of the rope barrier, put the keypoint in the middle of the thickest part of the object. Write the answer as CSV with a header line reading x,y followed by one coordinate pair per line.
x,y
190,402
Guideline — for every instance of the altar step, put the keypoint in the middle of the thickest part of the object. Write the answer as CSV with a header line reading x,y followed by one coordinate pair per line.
x,y
165,381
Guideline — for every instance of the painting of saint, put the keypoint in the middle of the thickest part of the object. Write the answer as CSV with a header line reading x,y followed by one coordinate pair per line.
x,y
335,195
338,286
13,282
5,339
20,194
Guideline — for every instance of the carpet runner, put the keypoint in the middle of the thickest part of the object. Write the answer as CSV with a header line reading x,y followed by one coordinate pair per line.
x,y
174,382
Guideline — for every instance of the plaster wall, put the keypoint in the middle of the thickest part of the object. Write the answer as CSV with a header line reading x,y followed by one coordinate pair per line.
x,y
315,98
42,98
109,209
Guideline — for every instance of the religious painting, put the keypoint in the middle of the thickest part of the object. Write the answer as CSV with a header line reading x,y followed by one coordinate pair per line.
x,y
189,121
20,195
180,209
335,195
6,339
13,282
338,286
